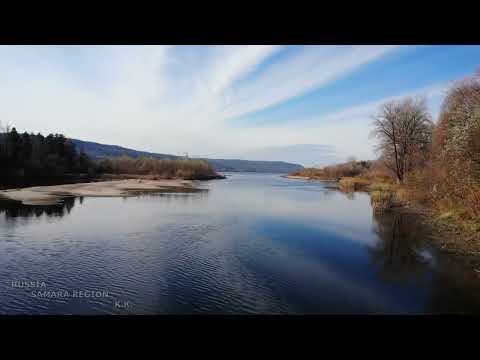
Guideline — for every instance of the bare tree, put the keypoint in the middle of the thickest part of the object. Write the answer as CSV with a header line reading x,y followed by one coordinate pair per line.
x,y
404,131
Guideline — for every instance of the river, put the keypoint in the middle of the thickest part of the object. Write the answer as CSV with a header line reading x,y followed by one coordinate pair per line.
x,y
251,244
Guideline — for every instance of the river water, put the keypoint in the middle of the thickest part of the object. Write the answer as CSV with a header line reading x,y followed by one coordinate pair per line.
x,y
249,244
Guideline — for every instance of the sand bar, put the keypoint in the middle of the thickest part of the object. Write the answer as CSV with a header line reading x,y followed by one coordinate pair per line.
x,y
307,178
49,195
296,177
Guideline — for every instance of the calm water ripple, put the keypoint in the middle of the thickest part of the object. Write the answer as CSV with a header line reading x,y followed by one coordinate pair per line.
x,y
251,244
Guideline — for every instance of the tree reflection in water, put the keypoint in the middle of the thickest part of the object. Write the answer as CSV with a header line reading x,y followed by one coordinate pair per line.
x,y
188,196
14,209
450,286
400,245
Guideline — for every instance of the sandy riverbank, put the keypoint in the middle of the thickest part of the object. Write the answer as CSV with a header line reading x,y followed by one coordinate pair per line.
x,y
49,195
297,177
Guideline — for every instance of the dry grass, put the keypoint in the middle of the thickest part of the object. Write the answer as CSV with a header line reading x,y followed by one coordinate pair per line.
x,y
190,169
474,202
335,172
353,184
312,173
378,173
383,196
431,191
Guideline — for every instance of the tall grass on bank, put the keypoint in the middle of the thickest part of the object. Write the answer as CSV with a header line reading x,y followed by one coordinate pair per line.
x,y
382,197
353,184
189,169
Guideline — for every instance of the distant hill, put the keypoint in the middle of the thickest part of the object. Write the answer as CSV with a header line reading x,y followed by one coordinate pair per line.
x,y
98,151
253,166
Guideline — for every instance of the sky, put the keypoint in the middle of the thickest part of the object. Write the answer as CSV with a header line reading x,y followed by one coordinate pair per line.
x,y
311,105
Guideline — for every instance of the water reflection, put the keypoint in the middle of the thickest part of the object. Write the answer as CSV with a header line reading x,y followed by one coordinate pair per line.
x,y
251,244
14,209
168,197
403,257
400,251
455,290
350,195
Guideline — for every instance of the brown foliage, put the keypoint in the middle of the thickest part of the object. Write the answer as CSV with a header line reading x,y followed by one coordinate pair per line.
x,y
353,184
449,182
334,172
474,202
166,169
459,131
457,139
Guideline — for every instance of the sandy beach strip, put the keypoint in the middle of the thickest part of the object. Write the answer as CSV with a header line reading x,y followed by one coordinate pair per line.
x,y
296,177
50,195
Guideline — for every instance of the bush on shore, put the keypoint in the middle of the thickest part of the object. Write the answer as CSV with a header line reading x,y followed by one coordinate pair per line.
x,y
190,169
383,196
352,168
353,184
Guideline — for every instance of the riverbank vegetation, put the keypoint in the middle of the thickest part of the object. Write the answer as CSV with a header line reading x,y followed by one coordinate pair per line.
x,y
189,169
432,166
352,168
28,160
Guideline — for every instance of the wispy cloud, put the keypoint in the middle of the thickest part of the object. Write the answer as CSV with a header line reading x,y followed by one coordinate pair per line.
x,y
345,132
180,98
305,70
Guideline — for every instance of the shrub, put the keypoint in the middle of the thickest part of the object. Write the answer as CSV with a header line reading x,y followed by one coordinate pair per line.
x,y
474,204
458,135
382,197
353,184
335,172
189,169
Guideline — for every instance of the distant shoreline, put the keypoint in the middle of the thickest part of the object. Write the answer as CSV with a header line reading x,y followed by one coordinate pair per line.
x,y
297,177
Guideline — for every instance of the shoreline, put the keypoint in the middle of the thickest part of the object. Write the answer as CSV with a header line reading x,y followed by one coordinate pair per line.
x,y
297,177
111,177
449,239
52,195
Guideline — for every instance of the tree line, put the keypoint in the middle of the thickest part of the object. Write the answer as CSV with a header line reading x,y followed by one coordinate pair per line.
x,y
351,168
29,155
191,169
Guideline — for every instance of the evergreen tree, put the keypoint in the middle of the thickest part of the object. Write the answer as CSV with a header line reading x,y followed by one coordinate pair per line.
x,y
36,155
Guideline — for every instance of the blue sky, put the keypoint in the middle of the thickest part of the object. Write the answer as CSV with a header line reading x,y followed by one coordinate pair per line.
x,y
305,104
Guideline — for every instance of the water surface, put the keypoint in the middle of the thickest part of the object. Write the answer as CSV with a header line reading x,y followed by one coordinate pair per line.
x,y
252,244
